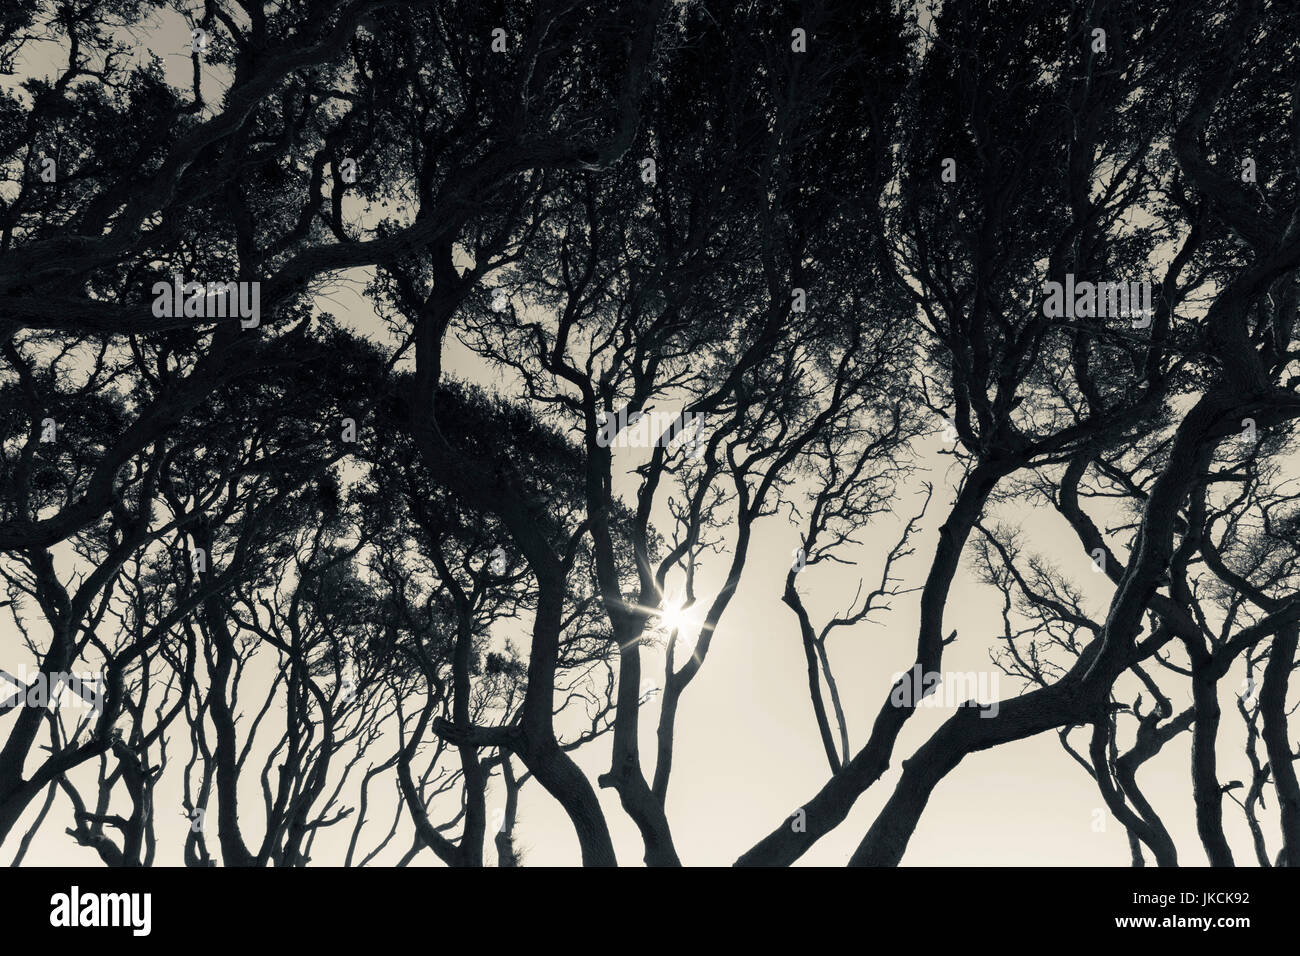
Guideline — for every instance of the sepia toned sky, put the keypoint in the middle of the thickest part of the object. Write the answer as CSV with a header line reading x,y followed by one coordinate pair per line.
x,y
747,748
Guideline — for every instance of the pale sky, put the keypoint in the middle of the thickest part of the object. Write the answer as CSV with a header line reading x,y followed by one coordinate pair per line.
x,y
747,748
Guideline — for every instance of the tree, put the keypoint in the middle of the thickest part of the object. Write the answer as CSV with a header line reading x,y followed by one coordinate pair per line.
x,y
395,399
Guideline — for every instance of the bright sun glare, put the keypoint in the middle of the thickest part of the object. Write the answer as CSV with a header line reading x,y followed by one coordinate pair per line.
x,y
674,616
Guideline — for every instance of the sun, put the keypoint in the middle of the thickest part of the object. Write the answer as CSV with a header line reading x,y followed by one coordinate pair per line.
x,y
675,616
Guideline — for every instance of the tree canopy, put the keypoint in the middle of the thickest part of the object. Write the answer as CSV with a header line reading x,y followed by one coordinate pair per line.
x,y
399,401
